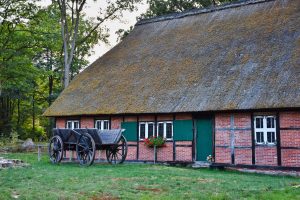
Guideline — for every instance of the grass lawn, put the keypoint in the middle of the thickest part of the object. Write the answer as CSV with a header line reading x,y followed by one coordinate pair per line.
x,y
43,180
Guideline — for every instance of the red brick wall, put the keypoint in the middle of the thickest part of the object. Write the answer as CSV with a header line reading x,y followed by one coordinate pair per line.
x,y
183,153
290,120
145,153
265,155
165,153
116,122
222,121
290,157
222,155
241,128
87,122
132,151
243,156
222,137
60,123
243,139
290,138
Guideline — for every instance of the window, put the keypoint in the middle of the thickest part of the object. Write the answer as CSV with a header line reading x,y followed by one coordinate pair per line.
x,y
146,130
72,124
265,129
102,124
165,129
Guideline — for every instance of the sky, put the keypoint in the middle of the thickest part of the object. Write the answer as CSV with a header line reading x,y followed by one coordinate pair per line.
x,y
129,19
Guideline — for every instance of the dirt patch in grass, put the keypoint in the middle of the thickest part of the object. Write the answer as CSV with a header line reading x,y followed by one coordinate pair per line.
x,y
192,179
204,180
104,197
125,179
143,188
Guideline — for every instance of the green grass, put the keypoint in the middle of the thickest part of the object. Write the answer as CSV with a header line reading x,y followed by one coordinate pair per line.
x,y
43,180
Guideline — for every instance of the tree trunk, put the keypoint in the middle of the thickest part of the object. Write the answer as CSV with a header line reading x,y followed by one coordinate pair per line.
x,y
18,121
66,75
33,113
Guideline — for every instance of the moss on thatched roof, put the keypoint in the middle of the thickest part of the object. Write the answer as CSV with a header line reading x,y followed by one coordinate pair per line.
x,y
242,57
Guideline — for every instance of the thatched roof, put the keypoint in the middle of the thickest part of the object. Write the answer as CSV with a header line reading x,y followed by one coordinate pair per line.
x,y
240,56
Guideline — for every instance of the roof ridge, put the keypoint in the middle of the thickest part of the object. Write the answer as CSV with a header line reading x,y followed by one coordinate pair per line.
x,y
198,11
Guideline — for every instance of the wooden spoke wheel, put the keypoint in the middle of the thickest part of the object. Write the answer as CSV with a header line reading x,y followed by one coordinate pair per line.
x,y
85,150
116,154
55,149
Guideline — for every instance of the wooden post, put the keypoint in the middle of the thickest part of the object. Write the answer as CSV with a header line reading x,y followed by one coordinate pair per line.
x,y
232,138
100,155
71,155
154,154
39,152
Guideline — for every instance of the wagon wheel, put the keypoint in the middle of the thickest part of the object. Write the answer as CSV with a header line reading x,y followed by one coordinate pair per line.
x,y
55,149
116,154
85,150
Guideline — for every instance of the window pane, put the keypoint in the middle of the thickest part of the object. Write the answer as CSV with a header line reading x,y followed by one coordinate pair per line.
x,y
161,129
169,130
271,137
150,130
97,124
270,122
69,124
76,124
259,122
259,137
106,125
142,131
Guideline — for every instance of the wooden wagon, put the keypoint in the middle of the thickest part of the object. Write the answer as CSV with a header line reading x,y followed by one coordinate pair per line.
x,y
85,142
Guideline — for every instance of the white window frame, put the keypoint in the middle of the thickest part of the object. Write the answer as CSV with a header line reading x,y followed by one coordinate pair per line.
x,y
102,121
165,129
72,124
146,129
265,130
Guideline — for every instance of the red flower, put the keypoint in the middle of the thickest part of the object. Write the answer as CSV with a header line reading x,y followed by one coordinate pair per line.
x,y
155,141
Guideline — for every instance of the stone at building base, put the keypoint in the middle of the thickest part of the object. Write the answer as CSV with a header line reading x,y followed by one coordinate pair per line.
x,y
267,171
201,164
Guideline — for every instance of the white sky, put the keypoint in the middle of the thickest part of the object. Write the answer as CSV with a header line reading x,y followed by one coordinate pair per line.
x,y
129,19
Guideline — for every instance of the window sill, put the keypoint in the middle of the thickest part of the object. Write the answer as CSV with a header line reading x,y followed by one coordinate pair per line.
x,y
268,145
167,140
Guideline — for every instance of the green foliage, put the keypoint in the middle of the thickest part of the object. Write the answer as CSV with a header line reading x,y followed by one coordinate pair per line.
x,y
31,64
163,7
43,180
155,142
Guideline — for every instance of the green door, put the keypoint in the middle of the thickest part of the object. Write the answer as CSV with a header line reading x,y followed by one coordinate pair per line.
x,y
204,139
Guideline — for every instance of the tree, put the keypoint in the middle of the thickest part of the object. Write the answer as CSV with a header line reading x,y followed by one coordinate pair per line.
x,y
49,59
16,50
70,28
162,7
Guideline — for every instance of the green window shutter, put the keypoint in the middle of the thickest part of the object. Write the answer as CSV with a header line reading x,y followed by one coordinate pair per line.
x,y
183,130
131,130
